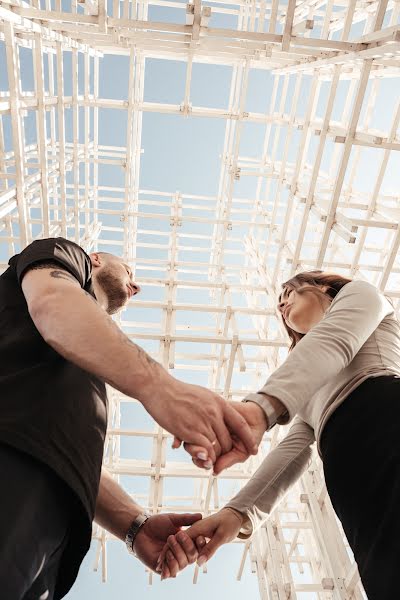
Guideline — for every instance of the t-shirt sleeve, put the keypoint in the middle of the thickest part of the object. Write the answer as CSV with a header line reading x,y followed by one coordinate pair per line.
x,y
59,250
330,346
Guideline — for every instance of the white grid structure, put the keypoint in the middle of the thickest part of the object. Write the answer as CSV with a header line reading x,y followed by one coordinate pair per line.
x,y
213,263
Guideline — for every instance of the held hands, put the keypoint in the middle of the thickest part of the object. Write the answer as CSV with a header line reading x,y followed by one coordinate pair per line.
x,y
152,536
201,419
184,548
255,418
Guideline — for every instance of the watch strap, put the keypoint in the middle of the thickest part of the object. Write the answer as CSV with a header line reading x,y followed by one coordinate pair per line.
x,y
133,530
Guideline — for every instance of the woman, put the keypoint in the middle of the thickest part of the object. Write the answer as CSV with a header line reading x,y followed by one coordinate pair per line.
x,y
341,385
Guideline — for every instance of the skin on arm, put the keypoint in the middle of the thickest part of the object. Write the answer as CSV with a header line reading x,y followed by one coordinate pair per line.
x,y
115,509
80,330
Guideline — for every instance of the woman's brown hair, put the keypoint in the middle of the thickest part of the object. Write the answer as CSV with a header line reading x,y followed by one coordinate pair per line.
x,y
310,280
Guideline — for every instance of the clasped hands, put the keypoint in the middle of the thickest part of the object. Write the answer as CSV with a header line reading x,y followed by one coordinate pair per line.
x,y
185,547
237,449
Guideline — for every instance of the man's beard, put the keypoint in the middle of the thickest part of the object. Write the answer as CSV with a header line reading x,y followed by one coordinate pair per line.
x,y
114,289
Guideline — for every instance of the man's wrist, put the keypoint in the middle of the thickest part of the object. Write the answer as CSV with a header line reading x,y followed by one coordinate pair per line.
x,y
152,391
133,531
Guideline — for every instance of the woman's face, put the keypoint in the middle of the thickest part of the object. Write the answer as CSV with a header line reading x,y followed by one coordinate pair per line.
x,y
302,311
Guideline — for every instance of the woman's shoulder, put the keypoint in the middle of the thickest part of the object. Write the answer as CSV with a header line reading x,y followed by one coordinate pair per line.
x,y
356,287
361,293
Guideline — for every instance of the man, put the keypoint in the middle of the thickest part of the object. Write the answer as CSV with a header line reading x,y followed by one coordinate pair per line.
x,y
58,348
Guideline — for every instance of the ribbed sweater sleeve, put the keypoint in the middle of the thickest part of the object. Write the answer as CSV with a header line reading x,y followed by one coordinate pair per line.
x,y
277,473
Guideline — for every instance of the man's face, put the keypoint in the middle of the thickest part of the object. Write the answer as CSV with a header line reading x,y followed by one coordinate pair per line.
x,y
114,277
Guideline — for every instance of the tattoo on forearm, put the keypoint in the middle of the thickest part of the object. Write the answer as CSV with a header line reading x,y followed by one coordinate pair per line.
x,y
142,354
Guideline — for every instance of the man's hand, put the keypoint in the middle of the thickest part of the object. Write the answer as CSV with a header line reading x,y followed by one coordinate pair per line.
x,y
256,421
219,529
202,419
152,536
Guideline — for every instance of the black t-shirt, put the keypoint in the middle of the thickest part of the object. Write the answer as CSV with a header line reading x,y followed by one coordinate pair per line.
x,y
49,407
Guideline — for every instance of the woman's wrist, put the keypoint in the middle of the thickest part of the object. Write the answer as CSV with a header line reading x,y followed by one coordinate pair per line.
x,y
239,515
245,524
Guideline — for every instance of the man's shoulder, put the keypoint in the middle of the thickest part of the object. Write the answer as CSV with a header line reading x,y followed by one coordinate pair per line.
x,y
58,250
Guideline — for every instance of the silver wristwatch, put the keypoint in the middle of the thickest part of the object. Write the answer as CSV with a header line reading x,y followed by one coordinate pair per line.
x,y
134,530
267,407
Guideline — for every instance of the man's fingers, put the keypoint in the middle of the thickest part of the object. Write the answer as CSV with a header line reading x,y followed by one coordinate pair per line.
x,y
185,519
178,552
172,563
176,443
161,558
223,438
183,549
239,426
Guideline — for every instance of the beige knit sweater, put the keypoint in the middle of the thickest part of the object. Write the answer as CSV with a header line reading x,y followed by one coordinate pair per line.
x,y
358,338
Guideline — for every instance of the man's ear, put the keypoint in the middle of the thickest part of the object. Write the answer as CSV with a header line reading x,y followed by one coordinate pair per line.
x,y
95,258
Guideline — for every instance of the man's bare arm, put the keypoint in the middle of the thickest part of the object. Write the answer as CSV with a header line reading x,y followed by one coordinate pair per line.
x,y
115,509
79,329
82,332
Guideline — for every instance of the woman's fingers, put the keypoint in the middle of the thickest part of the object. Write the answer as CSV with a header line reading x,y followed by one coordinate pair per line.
x,y
200,455
239,427
200,543
208,446
188,546
210,549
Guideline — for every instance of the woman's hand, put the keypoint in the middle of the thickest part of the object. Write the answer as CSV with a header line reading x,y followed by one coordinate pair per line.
x,y
256,420
183,549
